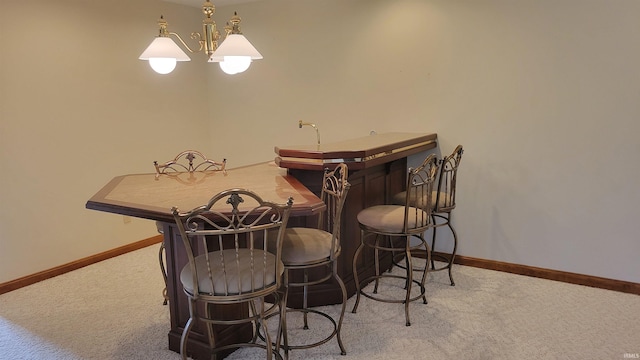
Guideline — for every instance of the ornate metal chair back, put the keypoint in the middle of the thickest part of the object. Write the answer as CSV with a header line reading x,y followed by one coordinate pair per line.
x,y
419,196
445,199
334,193
226,244
189,161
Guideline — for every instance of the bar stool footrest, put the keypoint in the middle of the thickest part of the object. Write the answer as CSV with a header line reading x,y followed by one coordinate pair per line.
x,y
320,342
394,301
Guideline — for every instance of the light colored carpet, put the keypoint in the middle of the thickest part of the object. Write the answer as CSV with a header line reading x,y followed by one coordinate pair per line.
x,y
113,310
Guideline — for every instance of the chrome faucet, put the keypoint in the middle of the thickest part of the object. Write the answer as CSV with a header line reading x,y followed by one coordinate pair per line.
x,y
301,124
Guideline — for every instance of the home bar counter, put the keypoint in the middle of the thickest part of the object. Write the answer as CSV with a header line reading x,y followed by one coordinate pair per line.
x,y
377,169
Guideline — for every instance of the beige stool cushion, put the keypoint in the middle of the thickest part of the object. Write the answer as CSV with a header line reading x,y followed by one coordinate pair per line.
x,y
234,270
305,246
400,198
387,218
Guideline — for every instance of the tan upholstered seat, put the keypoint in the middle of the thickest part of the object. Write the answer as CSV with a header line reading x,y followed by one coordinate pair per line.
x,y
226,278
389,218
398,225
229,262
305,246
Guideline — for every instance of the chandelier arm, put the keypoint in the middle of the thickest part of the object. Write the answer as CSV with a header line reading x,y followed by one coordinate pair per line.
x,y
185,44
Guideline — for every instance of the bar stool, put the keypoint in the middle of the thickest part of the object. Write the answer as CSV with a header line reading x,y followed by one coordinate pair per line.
x,y
444,203
226,243
304,249
397,225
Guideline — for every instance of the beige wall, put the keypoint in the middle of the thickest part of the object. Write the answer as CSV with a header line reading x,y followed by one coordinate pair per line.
x,y
77,108
542,94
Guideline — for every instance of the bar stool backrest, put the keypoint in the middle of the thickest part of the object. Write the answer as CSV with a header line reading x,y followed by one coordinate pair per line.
x,y
445,200
334,193
189,161
226,243
419,196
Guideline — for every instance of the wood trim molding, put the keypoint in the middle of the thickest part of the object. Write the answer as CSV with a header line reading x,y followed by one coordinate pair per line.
x,y
74,265
567,277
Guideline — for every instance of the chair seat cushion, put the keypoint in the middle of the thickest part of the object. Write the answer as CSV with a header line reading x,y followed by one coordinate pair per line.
x,y
304,246
235,275
401,197
388,218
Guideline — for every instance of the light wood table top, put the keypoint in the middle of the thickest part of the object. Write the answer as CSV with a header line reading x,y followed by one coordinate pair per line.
x,y
152,197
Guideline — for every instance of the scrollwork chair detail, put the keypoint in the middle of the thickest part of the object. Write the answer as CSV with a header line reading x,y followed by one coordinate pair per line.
x,y
189,161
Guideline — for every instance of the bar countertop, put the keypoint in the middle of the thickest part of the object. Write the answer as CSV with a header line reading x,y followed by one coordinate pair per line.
x,y
151,197
358,153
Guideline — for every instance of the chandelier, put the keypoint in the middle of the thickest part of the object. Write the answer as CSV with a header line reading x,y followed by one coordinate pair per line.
x,y
234,54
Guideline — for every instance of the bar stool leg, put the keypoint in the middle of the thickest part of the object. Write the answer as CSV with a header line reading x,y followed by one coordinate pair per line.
x,y
305,292
455,247
355,271
283,317
377,264
344,307
409,281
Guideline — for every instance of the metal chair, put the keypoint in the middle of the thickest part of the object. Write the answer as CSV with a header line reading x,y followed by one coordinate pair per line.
x,y
183,162
305,249
392,228
227,244
444,202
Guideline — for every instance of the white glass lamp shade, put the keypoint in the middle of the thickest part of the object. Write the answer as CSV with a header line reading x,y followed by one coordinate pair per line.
x,y
235,54
163,65
235,64
163,53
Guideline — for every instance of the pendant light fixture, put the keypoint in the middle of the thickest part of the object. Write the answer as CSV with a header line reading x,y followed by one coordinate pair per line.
x,y
234,54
